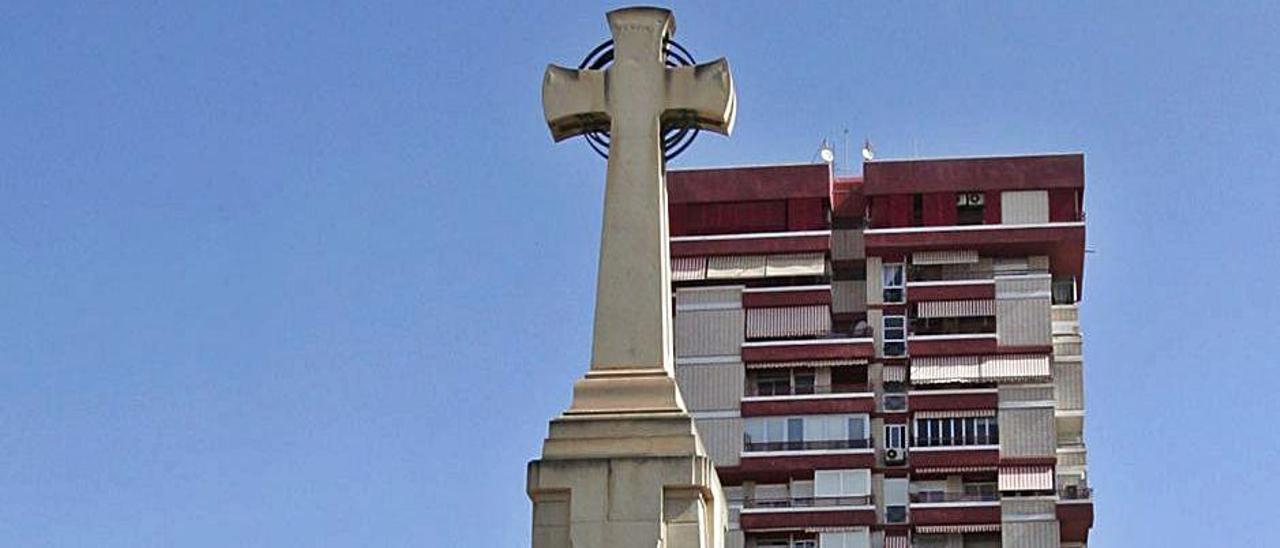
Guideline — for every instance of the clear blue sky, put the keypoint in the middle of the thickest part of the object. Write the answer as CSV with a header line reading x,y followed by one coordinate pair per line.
x,y
304,275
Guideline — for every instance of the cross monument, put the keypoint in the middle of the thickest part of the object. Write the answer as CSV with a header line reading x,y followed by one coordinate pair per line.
x,y
623,467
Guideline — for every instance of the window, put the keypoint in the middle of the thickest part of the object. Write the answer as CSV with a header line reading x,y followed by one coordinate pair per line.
x,y
893,282
814,432
782,382
1064,291
981,491
841,483
956,431
969,206
804,382
894,335
773,383
849,539
895,436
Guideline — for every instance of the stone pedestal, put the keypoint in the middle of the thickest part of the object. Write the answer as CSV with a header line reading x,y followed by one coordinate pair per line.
x,y
612,478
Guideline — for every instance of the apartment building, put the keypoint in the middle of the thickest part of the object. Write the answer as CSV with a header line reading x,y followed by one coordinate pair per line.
x,y
889,360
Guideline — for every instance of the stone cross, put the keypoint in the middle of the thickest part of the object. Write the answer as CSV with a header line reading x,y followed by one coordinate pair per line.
x,y
631,99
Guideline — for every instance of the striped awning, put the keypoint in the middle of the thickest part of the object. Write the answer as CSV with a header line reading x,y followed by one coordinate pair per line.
x,y
684,269
1026,478
965,528
735,266
945,257
896,542
797,264
836,529
945,369
998,368
948,369
804,364
956,309
895,373
955,414
955,469
788,321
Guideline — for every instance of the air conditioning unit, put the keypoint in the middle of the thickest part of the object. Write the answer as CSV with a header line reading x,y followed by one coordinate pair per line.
x,y
969,199
895,455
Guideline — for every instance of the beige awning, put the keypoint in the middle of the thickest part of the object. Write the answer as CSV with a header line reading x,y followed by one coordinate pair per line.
x,y
956,414
1000,368
735,266
788,322
948,369
969,528
836,529
944,257
799,264
895,373
804,364
956,309
955,469
1026,478
684,269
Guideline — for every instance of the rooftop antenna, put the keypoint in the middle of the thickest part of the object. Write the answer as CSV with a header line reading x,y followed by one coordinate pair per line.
x,y
846,148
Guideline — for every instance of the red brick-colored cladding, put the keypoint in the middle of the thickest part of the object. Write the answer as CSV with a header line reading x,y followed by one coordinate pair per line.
x,y
1075,519
984,290
746,184
749,199
952,401
1063,244
776,467
950,175
860,403
764,299
955,515
802,520
953,457
751,246
789,352
952,347
847,200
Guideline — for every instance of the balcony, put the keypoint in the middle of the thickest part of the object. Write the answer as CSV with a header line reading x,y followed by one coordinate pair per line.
x,y
769,400
960,344
837,347
943,508
1075,493
796,513
767,390
932,497
808,502
749,446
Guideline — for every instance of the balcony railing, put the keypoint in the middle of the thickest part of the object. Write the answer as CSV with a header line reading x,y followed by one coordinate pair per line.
x,y
815,445
934,496
1073,492
808,502
985,439
805,390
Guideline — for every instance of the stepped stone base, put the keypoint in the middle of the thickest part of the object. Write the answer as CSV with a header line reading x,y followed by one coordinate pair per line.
x,y
624,468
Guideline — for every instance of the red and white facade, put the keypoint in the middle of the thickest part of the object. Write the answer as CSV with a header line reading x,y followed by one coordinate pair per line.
x,y
888,360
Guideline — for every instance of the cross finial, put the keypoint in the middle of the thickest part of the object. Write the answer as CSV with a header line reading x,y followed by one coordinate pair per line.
x,y
632,99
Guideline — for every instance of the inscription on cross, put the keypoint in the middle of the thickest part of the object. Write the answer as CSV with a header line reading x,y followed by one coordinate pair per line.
x,y
632,99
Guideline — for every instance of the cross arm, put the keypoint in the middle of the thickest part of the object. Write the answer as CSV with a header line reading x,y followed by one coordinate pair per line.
x,y
703,92
574,101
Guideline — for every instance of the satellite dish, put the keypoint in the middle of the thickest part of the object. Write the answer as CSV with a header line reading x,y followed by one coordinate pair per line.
x,y
825,152
867,153
827,155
